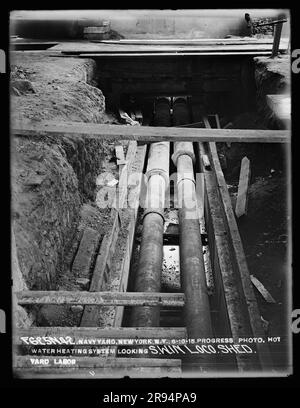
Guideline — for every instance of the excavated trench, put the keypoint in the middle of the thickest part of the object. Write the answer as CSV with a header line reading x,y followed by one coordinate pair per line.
x,y
225,86
234,88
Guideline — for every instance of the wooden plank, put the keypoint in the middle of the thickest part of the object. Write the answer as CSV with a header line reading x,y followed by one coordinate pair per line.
x,y
238,257
163,54
96,362
274,22
121,267
82,333
244,181
148,133
120,154
105,259
108,372
120,270
52,297
277,37
88,47
262,290
232,310
107,247
191,41
218,121
86,252
240,262
206,162
125,170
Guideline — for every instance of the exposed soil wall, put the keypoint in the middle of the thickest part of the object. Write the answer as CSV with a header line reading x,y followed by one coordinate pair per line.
x,y
272,76
51,178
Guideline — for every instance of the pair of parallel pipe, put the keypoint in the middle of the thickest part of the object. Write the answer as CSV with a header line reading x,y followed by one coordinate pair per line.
x,y
196,310
193,280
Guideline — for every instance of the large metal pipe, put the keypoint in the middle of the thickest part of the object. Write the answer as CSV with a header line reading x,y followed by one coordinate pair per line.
x,y
148,277
197,309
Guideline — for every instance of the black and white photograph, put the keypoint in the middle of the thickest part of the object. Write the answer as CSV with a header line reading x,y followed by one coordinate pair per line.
x,y
151,204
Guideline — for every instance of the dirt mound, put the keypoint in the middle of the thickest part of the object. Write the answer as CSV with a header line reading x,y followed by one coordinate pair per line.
x,y
51,178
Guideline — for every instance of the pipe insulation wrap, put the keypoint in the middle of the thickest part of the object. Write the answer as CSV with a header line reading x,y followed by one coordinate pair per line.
x,y
183,148
158,161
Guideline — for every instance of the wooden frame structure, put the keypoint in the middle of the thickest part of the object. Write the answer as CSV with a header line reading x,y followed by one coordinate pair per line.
x,y
241,314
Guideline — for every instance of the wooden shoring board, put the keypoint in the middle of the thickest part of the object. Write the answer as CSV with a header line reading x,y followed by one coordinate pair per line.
x,y
239,259
66,297
233,310
244,181
148,133
121,267
124,174
91,314
82,333
84,257
107,247
262,290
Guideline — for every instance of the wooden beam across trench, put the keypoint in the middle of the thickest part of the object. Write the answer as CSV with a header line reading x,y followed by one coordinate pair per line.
x,y
68,297
148,134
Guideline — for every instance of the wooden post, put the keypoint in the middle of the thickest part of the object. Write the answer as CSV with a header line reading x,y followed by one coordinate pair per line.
x,y
242,197
277,35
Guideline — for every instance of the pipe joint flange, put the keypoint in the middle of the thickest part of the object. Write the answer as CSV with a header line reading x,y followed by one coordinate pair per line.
x,y
159,172
186,178
181,152
158,211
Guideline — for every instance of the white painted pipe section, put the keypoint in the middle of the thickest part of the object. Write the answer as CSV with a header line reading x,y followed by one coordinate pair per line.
x,y
148,278
157,175
183,158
